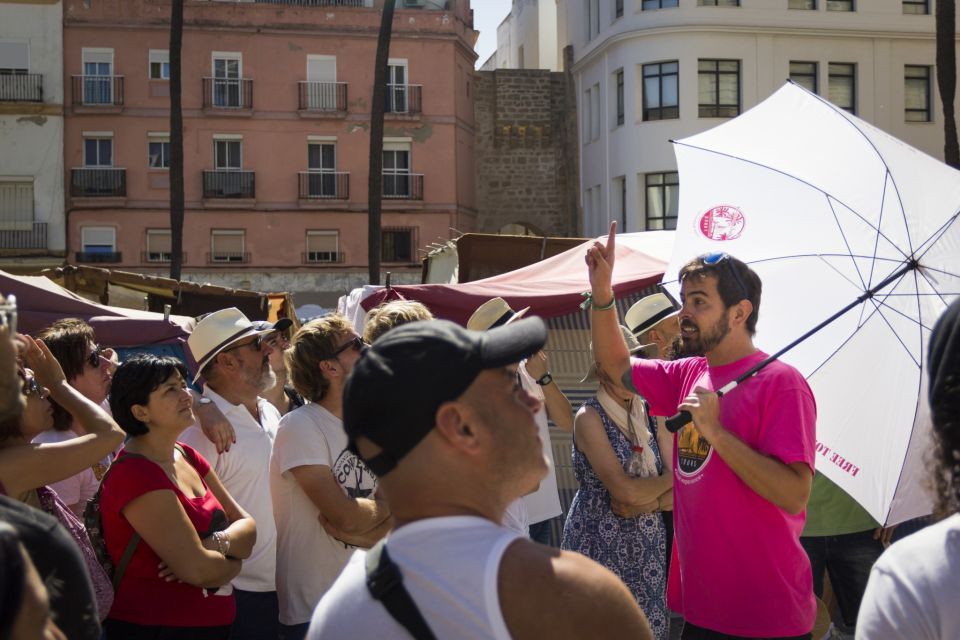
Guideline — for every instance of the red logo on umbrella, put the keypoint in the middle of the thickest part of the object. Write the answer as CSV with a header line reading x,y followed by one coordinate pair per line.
x,y
722,223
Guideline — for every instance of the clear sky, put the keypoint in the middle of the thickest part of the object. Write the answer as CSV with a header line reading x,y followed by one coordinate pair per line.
x,y
487,14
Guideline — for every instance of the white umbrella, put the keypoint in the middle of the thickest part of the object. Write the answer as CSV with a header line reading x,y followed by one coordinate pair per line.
x,y
825,208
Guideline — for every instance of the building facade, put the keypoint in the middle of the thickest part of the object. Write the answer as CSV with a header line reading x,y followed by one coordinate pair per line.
x,y
276,107
649,71
31,135
528,38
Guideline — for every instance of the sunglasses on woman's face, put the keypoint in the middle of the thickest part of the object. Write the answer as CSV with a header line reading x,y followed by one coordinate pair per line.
x,y
94,358
31,387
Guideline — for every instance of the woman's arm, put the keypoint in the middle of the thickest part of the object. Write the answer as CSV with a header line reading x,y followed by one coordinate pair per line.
x,y
592,441
242,532
161,521
29,466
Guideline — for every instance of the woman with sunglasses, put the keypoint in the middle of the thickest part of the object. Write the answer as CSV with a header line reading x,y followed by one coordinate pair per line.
x,y
27,468
162,498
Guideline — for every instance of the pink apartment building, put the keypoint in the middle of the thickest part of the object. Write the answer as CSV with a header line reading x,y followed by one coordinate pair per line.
x,y
276,106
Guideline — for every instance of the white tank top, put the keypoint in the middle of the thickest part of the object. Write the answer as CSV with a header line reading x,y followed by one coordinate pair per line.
x,y
449,566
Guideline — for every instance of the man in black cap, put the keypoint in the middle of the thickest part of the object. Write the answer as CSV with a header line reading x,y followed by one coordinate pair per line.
x,y
439,414
281,395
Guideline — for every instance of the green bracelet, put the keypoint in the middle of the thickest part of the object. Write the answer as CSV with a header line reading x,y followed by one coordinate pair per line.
x,y
590,302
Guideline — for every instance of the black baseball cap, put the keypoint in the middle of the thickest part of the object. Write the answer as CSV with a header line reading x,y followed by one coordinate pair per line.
x,y
280,325
396,386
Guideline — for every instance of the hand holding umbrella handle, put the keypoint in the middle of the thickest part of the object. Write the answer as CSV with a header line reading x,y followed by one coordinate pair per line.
x,y
677,422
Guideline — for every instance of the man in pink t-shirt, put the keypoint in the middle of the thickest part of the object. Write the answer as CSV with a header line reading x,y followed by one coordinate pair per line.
x,y
743,467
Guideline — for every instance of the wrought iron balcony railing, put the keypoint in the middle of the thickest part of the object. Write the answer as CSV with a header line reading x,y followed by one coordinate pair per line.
x,y
229,183
97,91
321,257
227,93
23,87
323,96
99,256
228,257
324,185
98,182
404,98
403,186
32,238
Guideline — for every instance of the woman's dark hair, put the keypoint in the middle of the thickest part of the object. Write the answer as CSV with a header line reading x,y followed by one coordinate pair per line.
x,y
134,381
12,578
943,365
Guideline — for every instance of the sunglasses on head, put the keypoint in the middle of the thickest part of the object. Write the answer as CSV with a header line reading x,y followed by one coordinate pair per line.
x,y
357,344
94,358
723,259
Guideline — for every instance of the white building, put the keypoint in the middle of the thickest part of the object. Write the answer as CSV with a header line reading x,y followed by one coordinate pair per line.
x,y
528,38
648,71
32,223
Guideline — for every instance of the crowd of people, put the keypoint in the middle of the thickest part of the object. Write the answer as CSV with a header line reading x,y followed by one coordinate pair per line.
x,y
397,480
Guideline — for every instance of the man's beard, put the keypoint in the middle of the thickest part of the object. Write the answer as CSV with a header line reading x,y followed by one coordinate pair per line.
x,y
263,379
701,343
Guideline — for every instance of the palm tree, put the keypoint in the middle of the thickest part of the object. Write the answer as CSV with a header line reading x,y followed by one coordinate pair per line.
x,y
176,141
946,16
375,192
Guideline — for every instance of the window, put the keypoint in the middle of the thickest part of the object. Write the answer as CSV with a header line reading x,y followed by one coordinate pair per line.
x,y
719,88
323,246
663,195
593,19
14,58
227,154
227,71
98,152
595,112
718,3
159,64
843,85
227,245
396,169
917,93
97,76
16,205
98,239
618,83
804,74
321,89
810,5
158,245
658,4
617,9
586,116
158,151
840,5
618,195
397,87
322,167
661,96
396,245
916,7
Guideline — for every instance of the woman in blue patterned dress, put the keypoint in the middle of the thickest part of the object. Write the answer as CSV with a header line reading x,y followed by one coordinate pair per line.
x,y
633,548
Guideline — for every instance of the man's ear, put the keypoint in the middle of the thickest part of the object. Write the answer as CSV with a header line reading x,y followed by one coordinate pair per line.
x,y
329,368
742,311
453,427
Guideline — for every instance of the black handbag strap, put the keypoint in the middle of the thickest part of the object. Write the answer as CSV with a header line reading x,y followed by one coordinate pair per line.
x,y
385,583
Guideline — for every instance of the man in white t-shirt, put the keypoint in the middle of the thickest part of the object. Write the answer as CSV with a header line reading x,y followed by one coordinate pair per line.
x,y
534,511
438,413
313,475
233,358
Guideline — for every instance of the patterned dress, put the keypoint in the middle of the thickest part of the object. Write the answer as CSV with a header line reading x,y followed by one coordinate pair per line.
x,y
633,548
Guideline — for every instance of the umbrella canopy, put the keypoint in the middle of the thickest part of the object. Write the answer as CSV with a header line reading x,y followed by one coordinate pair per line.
x,y
825,207
550,287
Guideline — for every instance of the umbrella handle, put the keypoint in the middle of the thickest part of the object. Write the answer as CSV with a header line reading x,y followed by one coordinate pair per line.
x,y
677,422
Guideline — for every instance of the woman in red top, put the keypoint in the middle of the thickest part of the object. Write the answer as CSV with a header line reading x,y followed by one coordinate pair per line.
x,y
194,534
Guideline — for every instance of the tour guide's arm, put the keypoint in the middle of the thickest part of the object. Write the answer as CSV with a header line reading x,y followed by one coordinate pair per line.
x,y
609,348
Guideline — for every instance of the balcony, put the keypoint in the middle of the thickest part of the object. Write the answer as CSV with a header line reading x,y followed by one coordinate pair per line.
x,y
97,91
228,257
158,257
319,3
322,257
98,182
99,256
229,184
403,186
24,87
324,185
404,99
228,93
32,236
323,97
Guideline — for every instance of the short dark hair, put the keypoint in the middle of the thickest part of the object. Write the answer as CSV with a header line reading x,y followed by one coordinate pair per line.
x,y
734,280
134,381
67,340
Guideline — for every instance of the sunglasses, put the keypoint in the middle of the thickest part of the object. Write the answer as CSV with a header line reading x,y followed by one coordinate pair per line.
x,y
357,344
94,358
33,387
256,343
723,259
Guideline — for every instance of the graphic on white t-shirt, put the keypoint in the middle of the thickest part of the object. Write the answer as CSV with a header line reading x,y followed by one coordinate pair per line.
x,y
351,474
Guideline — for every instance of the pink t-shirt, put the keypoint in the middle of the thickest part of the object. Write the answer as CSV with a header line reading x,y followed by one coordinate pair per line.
x,y
742,570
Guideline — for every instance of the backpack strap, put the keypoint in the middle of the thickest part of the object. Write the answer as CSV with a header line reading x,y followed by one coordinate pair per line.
x,y
385,583
121,567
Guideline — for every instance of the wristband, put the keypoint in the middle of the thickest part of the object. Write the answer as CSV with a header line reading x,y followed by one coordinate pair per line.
x,y
590,302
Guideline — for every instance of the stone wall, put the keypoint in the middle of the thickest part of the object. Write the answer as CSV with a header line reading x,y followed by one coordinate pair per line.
x,y
525,140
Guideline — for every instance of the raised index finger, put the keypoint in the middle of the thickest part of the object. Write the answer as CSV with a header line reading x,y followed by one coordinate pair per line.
x,y
612,238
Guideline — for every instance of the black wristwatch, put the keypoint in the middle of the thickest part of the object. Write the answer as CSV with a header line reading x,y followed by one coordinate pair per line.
x,y
545,380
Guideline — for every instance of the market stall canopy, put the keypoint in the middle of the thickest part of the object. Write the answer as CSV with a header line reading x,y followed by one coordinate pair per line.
x,y
551,287
40,302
